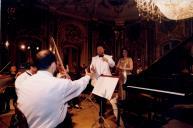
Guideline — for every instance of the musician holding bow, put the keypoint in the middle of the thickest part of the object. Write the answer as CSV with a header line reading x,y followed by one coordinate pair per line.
x,y
31,70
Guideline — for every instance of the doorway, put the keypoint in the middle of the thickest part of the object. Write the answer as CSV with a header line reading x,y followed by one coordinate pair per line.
x,y
71,58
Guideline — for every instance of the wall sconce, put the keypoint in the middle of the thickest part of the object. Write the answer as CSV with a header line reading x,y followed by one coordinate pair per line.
x,y
50,48
22,46
37,48
28,47
7,44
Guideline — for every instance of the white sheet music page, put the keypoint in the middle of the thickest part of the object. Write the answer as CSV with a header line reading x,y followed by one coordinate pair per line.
x,y
105,86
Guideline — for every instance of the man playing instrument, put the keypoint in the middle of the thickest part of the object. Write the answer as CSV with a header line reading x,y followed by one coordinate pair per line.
x,y
31,70
43,98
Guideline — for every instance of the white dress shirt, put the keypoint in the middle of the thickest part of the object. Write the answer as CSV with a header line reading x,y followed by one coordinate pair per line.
x,y
43,98
101,67
22,77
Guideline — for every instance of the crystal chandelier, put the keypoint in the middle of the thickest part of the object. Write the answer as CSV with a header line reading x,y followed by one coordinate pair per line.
x,y
165,9
175,9
148,10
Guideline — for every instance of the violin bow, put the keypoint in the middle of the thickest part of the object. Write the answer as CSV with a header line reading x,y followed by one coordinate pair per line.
x,y
59,58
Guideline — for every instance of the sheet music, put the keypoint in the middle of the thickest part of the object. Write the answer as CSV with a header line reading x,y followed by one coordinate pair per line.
x,y
105,86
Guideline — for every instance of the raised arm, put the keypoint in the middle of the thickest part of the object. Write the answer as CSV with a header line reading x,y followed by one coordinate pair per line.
x,y
109,60
74,88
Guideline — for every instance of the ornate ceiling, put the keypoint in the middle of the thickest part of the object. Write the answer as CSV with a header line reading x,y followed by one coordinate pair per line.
x,y
112,10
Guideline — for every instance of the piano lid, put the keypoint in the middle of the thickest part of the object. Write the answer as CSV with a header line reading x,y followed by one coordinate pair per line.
x,y
174,62
165,74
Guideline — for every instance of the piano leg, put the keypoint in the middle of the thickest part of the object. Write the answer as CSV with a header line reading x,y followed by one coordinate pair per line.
x,y
118,118
120,109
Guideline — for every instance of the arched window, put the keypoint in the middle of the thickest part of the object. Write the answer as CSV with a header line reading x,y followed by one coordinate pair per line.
x,y
71,57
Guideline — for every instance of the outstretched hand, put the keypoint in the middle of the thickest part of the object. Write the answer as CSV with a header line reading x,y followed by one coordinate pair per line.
x,y
89,72
92,69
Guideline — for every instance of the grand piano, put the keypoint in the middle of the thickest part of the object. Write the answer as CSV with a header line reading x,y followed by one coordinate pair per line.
x,y
165,83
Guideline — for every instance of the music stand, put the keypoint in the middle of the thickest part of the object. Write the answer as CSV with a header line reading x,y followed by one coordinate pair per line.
x,y
89,98
104,88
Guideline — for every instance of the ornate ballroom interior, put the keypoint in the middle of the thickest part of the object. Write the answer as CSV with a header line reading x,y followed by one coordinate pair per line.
x,y
79,26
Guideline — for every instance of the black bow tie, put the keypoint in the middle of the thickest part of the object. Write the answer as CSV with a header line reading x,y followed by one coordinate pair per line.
x,y
101,55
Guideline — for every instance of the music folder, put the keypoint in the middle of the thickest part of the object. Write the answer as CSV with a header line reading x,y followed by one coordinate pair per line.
x,y
105,86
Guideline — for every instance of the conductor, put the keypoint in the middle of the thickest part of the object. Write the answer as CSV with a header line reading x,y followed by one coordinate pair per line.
x,y
101,65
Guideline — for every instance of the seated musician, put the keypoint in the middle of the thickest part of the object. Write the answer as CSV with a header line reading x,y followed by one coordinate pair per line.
x,y
43,98
10,90
124,68
4,82
61,73
31,69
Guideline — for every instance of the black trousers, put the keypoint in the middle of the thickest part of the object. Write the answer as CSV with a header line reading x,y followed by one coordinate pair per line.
x,y
67,123
99,100
102,105
10,93
2,103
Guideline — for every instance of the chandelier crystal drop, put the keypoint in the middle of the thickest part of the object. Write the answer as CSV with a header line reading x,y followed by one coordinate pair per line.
x,y
158,10
148,10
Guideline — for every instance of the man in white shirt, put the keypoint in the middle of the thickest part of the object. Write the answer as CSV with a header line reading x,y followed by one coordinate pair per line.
x,y
43,98
31,69
101,65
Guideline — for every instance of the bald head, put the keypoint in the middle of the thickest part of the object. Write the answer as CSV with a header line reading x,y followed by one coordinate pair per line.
x,y
100,50
44,59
